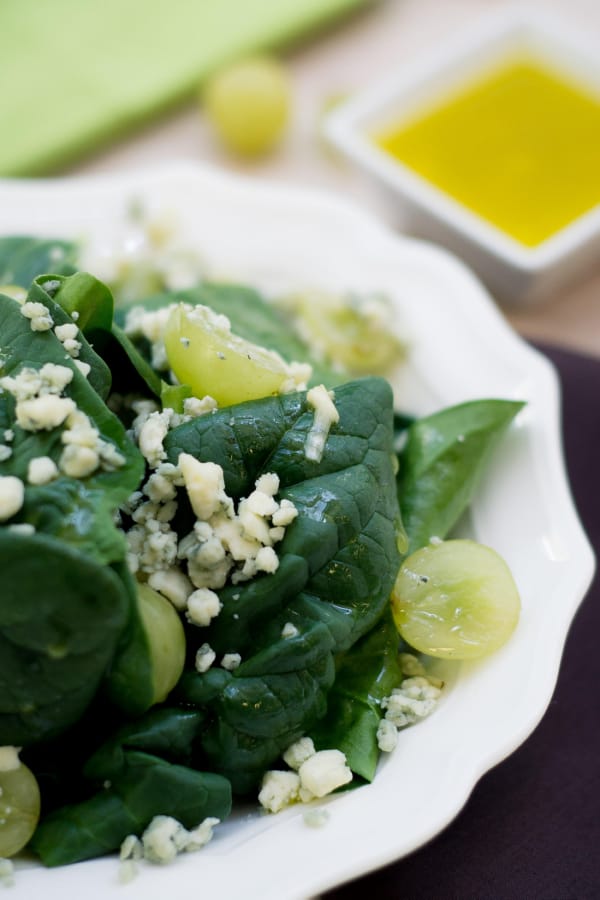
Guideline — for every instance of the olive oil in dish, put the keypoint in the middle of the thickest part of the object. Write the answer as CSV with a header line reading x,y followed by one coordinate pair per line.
x,y
519,146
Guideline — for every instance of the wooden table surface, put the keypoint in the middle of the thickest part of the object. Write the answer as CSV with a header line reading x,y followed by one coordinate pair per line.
x,y
347,58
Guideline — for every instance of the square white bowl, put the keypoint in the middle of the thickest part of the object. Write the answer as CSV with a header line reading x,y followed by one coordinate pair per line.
x,y
514,272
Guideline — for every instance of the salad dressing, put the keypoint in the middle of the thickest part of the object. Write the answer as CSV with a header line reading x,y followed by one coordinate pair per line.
x,y
519,146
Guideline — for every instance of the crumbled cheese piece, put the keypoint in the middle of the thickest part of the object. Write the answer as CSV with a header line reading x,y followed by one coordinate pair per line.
x,y
325,416
29,383
78,462
9,435
387,736
316,817
151,436
43,413
23,386
65,332
279,789
173,584
131,848
267,560
165,837
299,374
55,378
298,752
269,484
159,488
413,700
12,496
204,484
322,773
289,630
9,758
205,657
194,407
152,544
38,315
22,528
5,452
7,872
203,606
199,836
41,470
225,542
130,853
72,347
261,504
411,665
83,367
286,513
231,661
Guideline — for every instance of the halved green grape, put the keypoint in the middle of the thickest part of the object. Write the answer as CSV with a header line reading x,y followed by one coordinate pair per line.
x,y
353,330
19,809
149,663
166,639
249,103
203,353
455,599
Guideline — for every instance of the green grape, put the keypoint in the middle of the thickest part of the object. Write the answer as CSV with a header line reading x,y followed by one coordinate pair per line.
x,y
166,639
248,104
455,599
352,330
19,808
204,354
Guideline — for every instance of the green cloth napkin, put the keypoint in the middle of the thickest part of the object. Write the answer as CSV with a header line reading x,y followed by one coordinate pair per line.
x,y
78,73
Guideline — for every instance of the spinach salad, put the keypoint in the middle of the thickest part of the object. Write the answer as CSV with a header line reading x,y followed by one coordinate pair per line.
x,y
202,521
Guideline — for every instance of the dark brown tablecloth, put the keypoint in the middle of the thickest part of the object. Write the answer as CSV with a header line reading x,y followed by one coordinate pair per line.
x,y
531,829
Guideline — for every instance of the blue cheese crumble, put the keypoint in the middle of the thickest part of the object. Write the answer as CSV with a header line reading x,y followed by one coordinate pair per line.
x,y
415,699
326,415
12,496
313,774
161,842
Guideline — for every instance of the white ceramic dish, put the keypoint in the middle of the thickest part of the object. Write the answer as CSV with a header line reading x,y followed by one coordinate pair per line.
x,y
515,273
461,348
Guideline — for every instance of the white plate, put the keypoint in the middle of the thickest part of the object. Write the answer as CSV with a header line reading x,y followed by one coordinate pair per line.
x,y
461,348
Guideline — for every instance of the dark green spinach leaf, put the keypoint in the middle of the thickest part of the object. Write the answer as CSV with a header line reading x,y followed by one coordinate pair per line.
x,y
338,562
146,787
23,258
442,462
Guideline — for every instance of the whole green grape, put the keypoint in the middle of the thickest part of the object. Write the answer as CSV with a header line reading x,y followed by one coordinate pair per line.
x,y
248,104
19,808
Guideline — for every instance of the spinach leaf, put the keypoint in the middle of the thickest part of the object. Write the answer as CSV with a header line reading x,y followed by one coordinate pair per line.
x,y
261,708
365,675
66,597
147,786
22,347
338,562
442,462
84,295
23,258
60,619
166,732
94,304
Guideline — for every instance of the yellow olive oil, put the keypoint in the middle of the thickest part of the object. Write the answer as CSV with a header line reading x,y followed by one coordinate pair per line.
x,y
519,147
